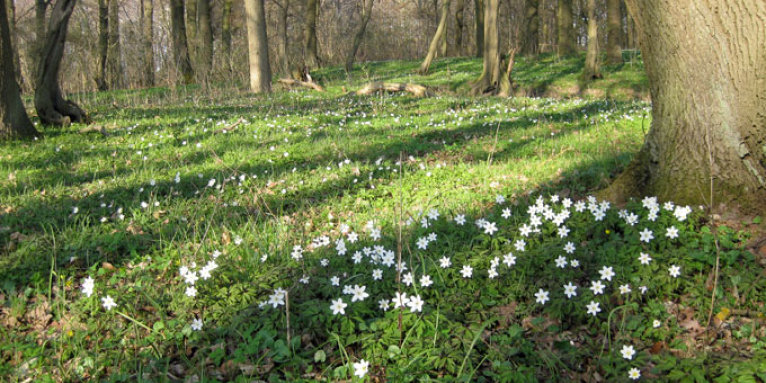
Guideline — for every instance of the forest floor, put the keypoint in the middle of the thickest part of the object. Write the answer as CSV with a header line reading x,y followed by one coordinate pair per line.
x,y
211,235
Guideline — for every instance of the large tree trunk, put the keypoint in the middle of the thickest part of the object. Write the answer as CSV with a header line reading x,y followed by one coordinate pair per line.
x,y
459,21
310,49
531,37
205,37
147,20
191,30
258,48
567,45
51,106
40,7
103,43
592,67
13,117
226,29
284,62
706,64
114,55
479,25
14,42
491,78
180,46
366,14
613,32
441,34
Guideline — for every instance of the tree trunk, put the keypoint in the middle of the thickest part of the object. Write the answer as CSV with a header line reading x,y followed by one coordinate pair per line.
x,y
592,67
366,14
191,31
14,121
489,80
40,8
282,48
180,46
51,106
613,32
310,50
205,37
14,42
459,13
226,29
567,45
531,37
103,43
258,48
706,65
147,20
441,34
479,24
114,55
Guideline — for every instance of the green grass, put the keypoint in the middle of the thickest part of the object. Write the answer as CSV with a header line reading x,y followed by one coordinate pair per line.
x,y
146,206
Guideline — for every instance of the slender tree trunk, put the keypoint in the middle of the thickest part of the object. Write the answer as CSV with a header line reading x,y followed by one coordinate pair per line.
x,y
567,45
613,32
103,43
282,48
114,55
147,19
706,64
459,21
191,31
14,121
592,67
366,14
205,37
531,37
479,24
490,77
258,48
226,29
180,46
51,106
441,34
310,50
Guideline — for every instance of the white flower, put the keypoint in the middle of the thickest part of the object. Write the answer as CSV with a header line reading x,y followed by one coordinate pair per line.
x,y
672,232
541,296
444,262
634,373
433,214
422,243
359,293
644,258
353,237
606,273
377,274
108,303
561,262
426,281
400,300
191,291
335,281
361,368
593,308
196,324
407,279
563,232
570,290
646,235
383,304
625,289
499,199
87,286
415,304
597,287
460,219
674,271
656,323
490,228
509,259
467,271
569,248
574,263
628,352
520,244
338,307
506,213
492,273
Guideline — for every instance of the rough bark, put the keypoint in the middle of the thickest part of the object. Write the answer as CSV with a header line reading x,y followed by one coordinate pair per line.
x,y
226,28
205,31
14,121
374,87
592,67
310,44
114,72
191,29
489,80
566,39
103,43
258,49
14,42
51,106
479,25
147,20
613,32
459,22
366,14
441,34
40,7
706,65
282,47
531,37
180,46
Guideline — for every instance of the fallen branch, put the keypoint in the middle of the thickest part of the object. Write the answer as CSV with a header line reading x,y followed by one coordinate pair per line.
x,y
415,89
306,84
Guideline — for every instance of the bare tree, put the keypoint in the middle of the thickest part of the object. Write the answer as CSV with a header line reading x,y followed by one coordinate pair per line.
x,y
226,28
147,20
310,44
492,78
613,32
205,50
258,49
282,44
114,69
531,37
459,21
103,43
14,121
51,106
180,47
567,45
441,34
366,14
592,67
479,26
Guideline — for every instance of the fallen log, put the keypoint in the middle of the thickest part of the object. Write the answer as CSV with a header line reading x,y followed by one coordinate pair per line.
x,y
414,89
306,84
